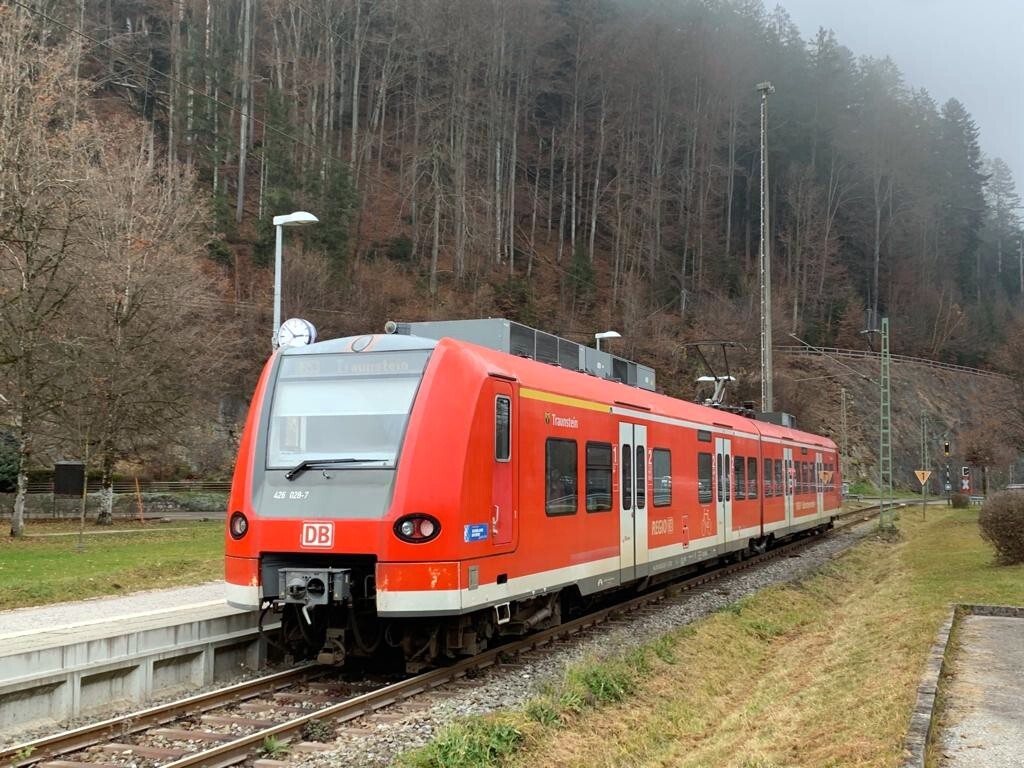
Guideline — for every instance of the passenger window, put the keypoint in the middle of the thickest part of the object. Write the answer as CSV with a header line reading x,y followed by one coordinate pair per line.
x,y
626,481
752,478
599,477
561,473
768,478
719,476
502,429
780,489
661,477
738,463
641,477
727,477
704,478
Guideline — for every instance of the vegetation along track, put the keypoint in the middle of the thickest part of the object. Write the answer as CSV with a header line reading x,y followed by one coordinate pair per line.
x,y
181,735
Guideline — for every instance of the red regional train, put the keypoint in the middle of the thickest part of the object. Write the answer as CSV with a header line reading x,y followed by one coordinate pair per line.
x,y
420,496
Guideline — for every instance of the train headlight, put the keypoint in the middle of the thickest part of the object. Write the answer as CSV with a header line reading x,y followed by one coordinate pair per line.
x,y
417,528
238,526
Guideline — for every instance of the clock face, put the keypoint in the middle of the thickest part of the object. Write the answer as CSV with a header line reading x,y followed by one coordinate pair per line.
x,y
295,332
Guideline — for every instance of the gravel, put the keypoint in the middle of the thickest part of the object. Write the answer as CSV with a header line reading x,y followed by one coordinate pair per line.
x,y
369,744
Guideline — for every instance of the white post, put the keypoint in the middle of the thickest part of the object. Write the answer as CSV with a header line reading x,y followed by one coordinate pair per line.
x,y
277,285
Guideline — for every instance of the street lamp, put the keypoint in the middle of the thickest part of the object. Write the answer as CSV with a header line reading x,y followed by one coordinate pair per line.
x,y
765,262
297,219
606,335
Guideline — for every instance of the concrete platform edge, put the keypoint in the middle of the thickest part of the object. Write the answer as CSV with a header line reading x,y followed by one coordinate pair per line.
x,y
923,718
89,675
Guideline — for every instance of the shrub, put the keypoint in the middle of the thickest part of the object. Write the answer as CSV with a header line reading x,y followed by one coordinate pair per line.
x,y
960,500
1002,525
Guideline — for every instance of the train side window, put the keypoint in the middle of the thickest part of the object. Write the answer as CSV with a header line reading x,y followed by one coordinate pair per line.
x,y
661,477
738,463
502,429
719,476
599,477
780,489
561,473
704,478
727,477
626,480
752,478
768,478
641,477
802,477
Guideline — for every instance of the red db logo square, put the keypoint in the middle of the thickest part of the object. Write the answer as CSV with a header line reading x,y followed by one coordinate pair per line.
x,y
318,535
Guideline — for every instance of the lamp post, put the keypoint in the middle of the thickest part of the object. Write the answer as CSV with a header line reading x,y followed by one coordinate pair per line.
x,y
297,219
605,335
765,262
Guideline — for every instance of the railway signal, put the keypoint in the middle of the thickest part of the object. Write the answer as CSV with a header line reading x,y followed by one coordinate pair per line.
x,y
945,448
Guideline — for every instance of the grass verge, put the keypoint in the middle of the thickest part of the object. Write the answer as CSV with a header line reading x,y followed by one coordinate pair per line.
x,y
36,571
822,673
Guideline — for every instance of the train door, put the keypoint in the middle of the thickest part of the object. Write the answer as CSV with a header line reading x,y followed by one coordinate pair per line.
x,y
789,482
819,484
632,499
503,491
723,493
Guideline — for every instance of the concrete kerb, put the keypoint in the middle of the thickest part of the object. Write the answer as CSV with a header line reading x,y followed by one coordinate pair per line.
x,y
83,674
922,721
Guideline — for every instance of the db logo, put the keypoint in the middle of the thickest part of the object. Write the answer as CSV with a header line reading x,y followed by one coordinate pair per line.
x,y
318,535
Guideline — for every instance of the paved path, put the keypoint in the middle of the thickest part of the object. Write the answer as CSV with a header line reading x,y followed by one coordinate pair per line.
x,y
101,610
984,709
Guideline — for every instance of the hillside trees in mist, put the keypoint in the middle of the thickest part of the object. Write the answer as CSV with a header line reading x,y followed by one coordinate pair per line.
x,y
493,143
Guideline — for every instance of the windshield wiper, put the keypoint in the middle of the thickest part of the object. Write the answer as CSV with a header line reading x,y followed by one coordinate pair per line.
x,y
302,466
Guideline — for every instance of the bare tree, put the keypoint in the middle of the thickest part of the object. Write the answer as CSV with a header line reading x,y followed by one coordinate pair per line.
x,y
42,157
147,342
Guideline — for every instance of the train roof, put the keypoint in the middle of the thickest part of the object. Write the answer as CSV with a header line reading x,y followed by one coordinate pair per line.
x,y
583,386
572,383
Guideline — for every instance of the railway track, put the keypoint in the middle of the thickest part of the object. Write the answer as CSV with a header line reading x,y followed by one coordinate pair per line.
x,y
230,725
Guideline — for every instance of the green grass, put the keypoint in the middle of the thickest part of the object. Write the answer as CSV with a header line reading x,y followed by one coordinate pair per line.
x,y
820,673
39,570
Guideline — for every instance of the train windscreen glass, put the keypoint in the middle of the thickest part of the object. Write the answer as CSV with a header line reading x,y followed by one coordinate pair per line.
x,y
350,408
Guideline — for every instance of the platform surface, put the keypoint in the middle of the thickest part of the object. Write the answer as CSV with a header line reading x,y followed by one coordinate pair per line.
x,y
51,625
984,705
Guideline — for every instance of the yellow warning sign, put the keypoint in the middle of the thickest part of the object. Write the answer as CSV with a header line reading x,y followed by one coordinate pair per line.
x,y
923,475
825,476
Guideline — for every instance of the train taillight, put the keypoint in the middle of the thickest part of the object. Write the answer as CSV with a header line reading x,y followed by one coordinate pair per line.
x,y
417,529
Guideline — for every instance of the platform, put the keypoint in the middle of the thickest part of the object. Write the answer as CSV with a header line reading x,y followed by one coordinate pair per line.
x,y
71,659
983,702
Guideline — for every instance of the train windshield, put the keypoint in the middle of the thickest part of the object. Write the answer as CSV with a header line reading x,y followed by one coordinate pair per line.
x,y
343,407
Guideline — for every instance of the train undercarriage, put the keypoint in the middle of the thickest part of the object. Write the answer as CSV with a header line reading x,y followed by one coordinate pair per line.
x,y
328,613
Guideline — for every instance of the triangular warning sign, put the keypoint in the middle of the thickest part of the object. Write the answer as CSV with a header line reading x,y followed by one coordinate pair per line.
x,y
825,476
923,475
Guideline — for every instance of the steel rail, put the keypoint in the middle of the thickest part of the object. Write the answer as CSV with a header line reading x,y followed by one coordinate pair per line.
x,y
234,752
47,747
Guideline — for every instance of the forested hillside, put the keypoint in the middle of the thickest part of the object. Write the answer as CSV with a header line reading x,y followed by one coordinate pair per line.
x,y
574,164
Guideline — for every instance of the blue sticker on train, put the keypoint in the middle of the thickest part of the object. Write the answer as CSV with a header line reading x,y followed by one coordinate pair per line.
x,y
476,532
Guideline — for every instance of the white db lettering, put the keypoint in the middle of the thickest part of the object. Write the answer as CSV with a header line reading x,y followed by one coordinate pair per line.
x,y
317,534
